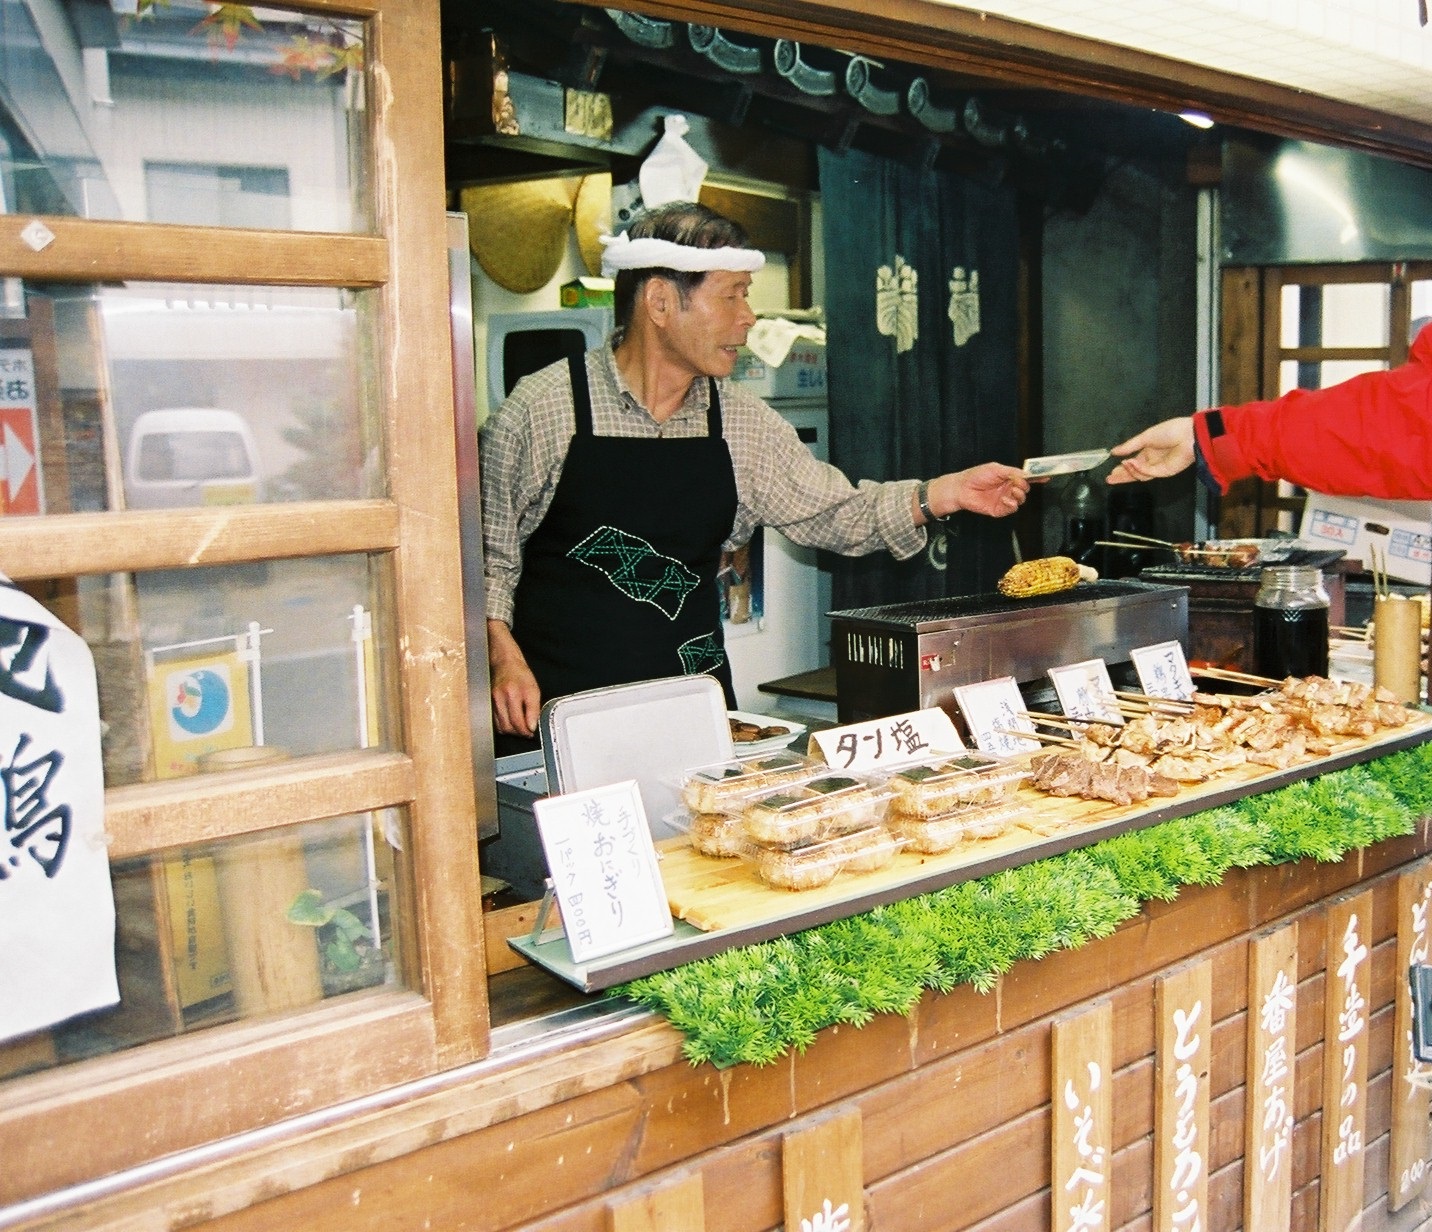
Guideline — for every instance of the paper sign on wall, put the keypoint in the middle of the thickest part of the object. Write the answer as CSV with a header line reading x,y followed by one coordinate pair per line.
x,y
1163,671
892,741
1085,691
20,482
994,713
56,902
604,869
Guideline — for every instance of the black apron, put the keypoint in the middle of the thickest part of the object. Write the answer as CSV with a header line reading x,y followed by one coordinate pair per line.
x,y
619,579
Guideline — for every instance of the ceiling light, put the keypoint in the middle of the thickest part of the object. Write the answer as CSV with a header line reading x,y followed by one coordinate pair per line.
x,y
1198,119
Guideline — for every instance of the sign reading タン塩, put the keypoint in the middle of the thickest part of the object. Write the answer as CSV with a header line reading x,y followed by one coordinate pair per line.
x,y
604,869
894,740
56,902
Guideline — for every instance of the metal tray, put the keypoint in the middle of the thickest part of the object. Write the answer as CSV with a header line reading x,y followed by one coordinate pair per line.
x,y
650,731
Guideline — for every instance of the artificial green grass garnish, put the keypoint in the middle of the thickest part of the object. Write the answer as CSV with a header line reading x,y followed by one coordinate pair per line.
x,y
754,1003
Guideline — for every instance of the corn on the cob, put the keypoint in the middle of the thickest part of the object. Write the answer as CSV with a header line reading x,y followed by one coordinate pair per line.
x,y
1046,576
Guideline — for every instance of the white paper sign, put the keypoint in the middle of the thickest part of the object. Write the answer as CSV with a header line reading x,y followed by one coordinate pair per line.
x,y
892,741
1163,671
994,713
1086,691
56,901
604,869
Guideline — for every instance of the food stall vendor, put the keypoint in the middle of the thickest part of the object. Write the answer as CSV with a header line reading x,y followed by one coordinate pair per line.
x,y
610,485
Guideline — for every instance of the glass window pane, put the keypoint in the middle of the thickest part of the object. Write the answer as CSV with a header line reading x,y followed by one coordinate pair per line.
x,y
292,655
1421,305
278,95
1334,315
153,395
1293,375
244,927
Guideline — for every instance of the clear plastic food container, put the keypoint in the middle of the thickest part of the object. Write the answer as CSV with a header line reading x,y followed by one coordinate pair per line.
x,y
725,786
721,836
816,808
929,789
946,831
813,865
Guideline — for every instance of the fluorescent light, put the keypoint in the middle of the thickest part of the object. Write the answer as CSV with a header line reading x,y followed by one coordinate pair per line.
x,y
1197,118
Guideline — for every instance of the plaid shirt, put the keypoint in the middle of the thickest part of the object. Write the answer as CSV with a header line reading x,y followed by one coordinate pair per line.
x,y
779,482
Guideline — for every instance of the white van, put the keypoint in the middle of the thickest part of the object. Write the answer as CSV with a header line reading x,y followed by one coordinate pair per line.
x,y
191,456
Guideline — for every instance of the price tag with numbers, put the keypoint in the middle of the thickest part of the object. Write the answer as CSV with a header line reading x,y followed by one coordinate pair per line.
x,y
1163,671
604,869
994,713
1085,691
891,741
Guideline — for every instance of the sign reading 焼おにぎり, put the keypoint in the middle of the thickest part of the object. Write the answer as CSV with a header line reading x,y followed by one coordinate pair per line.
x,y
604,869
56,901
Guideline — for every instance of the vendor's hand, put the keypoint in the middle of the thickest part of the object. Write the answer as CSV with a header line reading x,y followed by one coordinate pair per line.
x,y
1156,453
516,699
991,488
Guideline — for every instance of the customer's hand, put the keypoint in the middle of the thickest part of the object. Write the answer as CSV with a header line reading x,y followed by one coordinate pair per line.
x,y
1156,453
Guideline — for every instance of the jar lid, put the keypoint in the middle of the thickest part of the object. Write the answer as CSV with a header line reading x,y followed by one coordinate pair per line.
x,y
1292,577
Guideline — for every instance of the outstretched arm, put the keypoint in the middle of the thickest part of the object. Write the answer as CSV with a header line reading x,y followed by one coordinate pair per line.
x,y
991,488
1155,453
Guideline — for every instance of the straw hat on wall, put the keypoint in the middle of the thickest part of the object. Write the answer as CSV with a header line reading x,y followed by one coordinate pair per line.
x,y
593,213
518,232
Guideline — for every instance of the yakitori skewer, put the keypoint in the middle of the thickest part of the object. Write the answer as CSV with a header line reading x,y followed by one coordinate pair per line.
x,y
1224,673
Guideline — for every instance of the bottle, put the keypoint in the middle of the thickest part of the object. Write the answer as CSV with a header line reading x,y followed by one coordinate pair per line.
x,y
1290,622
1084,522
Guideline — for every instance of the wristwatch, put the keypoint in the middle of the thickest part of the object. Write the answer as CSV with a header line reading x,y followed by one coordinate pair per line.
x,y
922,498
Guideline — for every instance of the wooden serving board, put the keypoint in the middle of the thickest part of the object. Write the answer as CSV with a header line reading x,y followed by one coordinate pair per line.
x,y
726,895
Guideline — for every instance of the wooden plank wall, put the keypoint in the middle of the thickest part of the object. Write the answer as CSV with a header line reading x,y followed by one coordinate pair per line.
x,y
945,1120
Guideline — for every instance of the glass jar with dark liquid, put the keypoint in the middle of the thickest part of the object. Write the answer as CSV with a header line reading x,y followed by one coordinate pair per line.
x,y
1290,623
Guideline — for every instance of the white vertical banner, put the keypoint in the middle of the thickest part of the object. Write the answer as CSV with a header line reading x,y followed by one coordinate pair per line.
x,y
56,900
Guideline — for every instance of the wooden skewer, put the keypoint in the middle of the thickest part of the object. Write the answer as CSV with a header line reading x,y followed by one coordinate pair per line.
x,y
1128,534
1349,631
1223,673
1045,737
1173,703
1154,705
1059,720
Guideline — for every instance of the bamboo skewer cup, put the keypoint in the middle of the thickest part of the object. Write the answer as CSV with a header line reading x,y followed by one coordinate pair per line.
x,y
1397,646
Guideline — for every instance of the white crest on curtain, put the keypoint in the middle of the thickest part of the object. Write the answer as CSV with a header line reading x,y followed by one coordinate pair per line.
x,y
896,300
964,309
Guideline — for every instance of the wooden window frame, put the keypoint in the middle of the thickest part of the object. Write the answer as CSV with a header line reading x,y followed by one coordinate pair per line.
x,y
1252,355
226,1080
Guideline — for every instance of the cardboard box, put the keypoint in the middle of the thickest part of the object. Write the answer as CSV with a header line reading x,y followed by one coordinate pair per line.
x,y
1401,531
587,293
801,376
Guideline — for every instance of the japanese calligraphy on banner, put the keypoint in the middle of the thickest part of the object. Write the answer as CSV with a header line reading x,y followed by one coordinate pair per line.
x,y
1183,1003
604,869
56,902
1410,1156
20,490
1268,1111
1083,1120
892,741
1346,985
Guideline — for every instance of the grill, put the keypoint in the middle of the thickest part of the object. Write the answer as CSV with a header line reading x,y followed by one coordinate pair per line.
x,y
910,656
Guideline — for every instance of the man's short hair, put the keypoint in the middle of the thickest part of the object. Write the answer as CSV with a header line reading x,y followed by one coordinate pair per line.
x,y
681,222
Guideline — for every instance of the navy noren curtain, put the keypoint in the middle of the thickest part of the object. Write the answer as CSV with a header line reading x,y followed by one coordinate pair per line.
x,y
921,304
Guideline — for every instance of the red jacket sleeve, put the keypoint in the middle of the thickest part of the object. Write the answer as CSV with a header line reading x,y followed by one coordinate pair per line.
x,y
1367,436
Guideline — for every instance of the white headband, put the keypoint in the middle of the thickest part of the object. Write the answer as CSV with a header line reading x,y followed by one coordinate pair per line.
x,y
621,252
